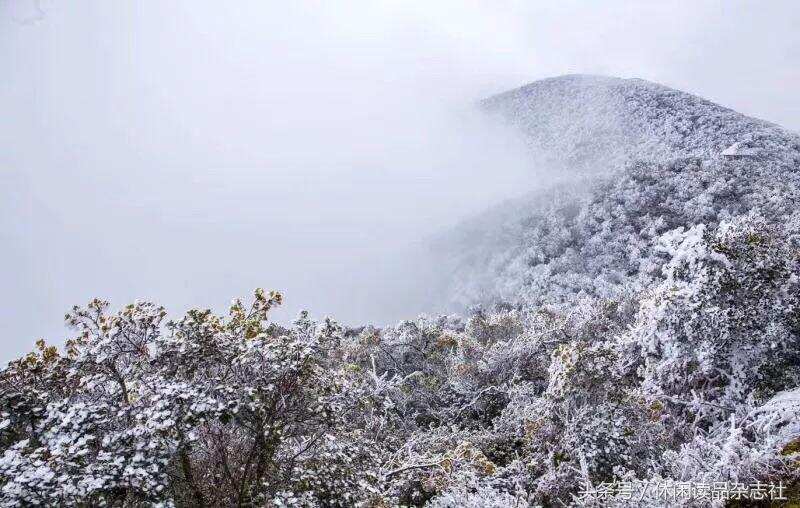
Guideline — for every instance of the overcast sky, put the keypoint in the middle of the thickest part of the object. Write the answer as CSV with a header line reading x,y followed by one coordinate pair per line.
x,y
189,151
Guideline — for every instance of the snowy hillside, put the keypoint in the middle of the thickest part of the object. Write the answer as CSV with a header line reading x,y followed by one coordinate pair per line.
x,y
639,345
595,122
645,159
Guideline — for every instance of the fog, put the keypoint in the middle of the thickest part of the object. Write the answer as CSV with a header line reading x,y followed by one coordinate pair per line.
x,y
187,152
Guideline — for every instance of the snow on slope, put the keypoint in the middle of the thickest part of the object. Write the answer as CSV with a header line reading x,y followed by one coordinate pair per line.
x,y
656,159
586,122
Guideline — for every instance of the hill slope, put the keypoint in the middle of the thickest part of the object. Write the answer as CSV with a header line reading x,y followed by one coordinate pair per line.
x,y
644,159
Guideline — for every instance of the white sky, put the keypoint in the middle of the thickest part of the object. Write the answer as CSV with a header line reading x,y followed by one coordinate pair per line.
x,y
189,151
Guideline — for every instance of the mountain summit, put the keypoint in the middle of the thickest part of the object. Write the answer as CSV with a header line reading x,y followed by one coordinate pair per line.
x,y
597,122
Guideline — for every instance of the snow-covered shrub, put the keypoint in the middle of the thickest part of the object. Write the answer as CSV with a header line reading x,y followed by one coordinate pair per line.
x,y
721,330
205,410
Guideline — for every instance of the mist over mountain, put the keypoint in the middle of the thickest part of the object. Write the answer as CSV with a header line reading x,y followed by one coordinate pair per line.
x,y
632,159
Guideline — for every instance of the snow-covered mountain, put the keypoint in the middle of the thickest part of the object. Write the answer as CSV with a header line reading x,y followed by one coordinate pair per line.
x,y
646,352
593,123
639,159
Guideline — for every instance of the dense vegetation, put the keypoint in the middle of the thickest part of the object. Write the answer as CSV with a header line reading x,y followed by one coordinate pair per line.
x,y
696,378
